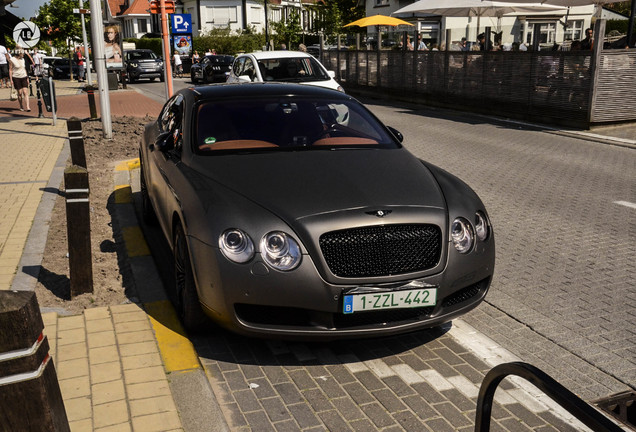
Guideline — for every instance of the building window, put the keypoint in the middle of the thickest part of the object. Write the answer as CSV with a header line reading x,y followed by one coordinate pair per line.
x,y
546,32
142,25
255,15
573,31
381,3
221,16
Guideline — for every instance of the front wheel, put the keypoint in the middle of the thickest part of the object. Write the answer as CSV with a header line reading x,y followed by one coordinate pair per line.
x,y
188,306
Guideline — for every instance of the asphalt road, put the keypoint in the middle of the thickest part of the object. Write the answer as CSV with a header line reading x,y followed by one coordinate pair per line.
x,y
564,292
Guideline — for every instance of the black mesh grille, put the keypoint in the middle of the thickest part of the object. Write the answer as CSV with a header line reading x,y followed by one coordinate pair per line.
x,y
381,250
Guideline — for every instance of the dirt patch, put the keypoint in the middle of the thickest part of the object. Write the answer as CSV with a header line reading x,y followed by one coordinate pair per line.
x,y
112,280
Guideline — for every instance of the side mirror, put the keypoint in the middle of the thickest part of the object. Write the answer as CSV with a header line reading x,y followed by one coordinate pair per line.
x,y
396,133
164,141
244,79
331,74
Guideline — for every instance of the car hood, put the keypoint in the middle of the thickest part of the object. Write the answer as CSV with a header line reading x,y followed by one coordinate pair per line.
x,y
300,184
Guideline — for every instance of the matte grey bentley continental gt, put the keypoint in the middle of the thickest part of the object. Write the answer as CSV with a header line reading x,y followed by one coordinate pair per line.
x,y
292,211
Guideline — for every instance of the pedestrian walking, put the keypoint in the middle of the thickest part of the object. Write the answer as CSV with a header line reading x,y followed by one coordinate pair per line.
x,y
20,78
4,67
80,60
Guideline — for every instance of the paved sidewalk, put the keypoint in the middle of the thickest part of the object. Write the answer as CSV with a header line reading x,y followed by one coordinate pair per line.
x,y
132,367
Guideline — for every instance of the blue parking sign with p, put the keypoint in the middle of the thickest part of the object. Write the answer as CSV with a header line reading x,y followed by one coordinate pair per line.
x,y
181,23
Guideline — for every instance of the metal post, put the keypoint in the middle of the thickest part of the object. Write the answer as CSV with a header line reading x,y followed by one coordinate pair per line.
x,y
97,28
76,142
39,96
630,26
86,50
166,47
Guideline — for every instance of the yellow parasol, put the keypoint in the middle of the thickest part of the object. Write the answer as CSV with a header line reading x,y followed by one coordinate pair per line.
x,y
379,20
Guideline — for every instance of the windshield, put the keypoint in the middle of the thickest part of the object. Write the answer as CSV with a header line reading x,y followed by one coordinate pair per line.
x,y
287,123
141,55
299,69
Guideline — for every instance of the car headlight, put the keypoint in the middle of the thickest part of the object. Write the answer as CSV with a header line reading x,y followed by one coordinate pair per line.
x,y
462,235
280,251
236,245
482,227
340,89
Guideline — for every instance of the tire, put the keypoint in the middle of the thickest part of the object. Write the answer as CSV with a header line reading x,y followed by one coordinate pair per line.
x,y
161,78
147,212
193,79
188,306
152,79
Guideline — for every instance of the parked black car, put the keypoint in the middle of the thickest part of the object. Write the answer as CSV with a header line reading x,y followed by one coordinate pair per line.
x,y
60,69
211,68
292,211
142,64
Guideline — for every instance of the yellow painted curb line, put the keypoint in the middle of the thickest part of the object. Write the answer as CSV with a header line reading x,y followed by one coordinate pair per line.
x,y
127,165
176,350
123,194
135,242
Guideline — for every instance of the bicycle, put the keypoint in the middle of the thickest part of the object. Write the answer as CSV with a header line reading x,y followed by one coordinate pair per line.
x,y
177,71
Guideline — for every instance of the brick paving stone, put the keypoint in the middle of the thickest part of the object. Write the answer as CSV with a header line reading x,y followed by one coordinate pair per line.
x,y
377,414
333,421
452,414
246,400
262,388
369,380
389,400
331,387
348,409
258,421
408,421
358,393
398,386
525,415
341,374
459,400
303,415
440,425
235,380
317,400
275,409
420,407
363,425
287,426
302,379
289,393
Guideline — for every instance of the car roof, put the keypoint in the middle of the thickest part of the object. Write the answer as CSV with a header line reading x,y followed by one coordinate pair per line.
x,y
264,55
260,89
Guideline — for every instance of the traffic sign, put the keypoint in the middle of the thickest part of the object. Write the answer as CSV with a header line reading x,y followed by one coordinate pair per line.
x,y
82,11
26,34
182,23
155,6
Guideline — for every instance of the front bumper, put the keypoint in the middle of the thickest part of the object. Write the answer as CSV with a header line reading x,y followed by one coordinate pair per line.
x,y
255,300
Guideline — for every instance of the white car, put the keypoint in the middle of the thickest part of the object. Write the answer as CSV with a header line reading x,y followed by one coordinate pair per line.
x,y
282,66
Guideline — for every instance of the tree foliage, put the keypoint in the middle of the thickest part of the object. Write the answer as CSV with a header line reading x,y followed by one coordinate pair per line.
x,y
58,23
288,31
624,8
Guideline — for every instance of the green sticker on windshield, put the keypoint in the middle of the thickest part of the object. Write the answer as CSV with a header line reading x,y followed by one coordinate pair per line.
x,y
210,140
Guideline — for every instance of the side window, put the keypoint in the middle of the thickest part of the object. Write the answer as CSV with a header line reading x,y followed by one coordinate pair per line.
x,y
170,120
248,69
238,66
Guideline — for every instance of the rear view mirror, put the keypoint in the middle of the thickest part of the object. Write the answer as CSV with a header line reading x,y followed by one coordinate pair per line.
x,y
244,78
331,74
164,141
396,133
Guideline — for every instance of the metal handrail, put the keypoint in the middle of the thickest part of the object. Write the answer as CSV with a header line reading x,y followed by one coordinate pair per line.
x,y
544,382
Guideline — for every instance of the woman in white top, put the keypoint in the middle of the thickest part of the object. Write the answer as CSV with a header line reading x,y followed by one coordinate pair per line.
x,y
20,78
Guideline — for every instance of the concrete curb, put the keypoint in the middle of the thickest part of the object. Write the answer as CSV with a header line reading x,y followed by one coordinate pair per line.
x,y
191,391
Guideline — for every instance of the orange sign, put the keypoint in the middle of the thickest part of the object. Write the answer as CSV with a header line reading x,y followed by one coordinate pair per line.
x,y
155,6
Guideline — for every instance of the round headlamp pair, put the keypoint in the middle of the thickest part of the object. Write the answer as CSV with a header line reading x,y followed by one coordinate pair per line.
x,y
278,249
465,234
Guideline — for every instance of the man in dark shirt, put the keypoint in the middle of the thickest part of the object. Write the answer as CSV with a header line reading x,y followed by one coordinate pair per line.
x,y
588,43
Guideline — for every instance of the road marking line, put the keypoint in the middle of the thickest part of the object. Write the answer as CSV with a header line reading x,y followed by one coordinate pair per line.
x,y
176,350
123,194
626,204
135,242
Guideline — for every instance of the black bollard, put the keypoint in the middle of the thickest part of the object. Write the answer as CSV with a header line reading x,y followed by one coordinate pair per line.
x,y
90,91
39,96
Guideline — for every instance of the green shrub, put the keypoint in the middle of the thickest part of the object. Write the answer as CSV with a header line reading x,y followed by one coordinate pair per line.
x,y
619,25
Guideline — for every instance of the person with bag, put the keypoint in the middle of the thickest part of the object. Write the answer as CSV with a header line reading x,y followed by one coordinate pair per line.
x,y
78,57
20,79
